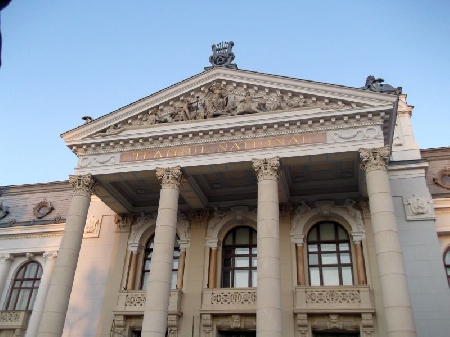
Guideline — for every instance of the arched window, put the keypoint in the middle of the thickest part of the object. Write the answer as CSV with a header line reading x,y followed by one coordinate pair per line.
x,y
329,257
148,259
239,262
447,263
25,287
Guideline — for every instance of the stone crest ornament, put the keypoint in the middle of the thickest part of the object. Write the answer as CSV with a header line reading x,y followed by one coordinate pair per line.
x,y
267,168
419,208
42,209
83,185
442,179
3,211
222,56
171,177
376,84
123,223
374,159
92,227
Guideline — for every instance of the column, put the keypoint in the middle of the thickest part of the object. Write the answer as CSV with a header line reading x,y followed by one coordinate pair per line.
x,y
268,303
300,265
132,271
394,288
212,267
5,265
57,302
360,270
181,268
159,282
38,307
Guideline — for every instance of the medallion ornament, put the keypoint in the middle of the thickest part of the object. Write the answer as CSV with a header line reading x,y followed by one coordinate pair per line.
x,y
83,185
42,209
267,168
374,159
442,179
171,177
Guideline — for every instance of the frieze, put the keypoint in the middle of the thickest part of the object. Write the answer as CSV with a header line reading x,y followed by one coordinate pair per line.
x,y
233,297
419,208
230,146
332,296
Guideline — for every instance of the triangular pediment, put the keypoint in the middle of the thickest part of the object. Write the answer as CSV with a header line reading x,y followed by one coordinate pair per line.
x,y
219,94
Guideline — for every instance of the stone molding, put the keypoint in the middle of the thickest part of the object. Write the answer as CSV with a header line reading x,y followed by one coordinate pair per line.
x,y
221,219
304,216
171,177
419,208
6,257
92,227
374,159
50,254
83,185
267,168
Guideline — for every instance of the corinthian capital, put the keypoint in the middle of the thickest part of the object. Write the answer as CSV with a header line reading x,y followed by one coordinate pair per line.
x,y
171,177
374,159
50,255
267,168
83,185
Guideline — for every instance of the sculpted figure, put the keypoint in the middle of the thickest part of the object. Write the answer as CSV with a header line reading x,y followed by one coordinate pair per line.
x,y
376,84
247,105
183,109
216,99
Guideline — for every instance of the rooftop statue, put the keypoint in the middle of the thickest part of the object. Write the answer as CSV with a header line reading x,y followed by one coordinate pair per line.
x,y
222,56
376,84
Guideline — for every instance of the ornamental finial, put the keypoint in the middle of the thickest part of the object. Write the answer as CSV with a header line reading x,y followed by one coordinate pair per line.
x,y
222,56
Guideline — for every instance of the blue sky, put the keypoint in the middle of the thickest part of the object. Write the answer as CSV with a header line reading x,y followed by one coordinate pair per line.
x,y
66,59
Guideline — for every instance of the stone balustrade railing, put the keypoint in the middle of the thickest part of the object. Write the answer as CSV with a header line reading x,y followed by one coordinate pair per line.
x,y
132,302
351,299
14,320
226,300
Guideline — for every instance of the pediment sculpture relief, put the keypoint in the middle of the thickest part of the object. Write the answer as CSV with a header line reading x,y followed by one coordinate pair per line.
x,y
224,100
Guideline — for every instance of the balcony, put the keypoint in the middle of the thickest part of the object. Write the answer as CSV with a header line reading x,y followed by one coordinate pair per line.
x,y
132,302
14,320
226,300
330,299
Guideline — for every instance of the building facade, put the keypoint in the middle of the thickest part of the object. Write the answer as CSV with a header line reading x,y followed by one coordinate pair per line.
x,y
235,203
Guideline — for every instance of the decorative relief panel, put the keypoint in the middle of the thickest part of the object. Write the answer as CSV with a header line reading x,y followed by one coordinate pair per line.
x,y
92,227
332,296
341,136
419,208
123,223
233,297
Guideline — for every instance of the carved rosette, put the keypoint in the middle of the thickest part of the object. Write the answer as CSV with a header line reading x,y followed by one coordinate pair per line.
x,y
171,177
374,159
267,168
6,257
83,185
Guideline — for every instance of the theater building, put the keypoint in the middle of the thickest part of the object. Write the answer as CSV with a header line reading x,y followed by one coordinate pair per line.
x,y
235,203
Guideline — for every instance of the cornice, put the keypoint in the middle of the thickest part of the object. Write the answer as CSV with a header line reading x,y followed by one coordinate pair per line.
x,y
22,232
57,186
249,78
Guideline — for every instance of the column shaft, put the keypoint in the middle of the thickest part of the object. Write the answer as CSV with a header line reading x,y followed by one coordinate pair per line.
x,y
57,302
268,304
300,266
360,264
5,265
41,296
132,272
212,268
159,282
394,288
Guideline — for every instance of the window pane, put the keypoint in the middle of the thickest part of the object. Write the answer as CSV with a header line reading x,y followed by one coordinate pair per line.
x,y
254,261
31,270
447,258
254,278
313,248
241,262
328,247
330,276
255,251
242,251
313,259
347,277
228,239
12,300
342,234
241,278
254,238
242,236
144,281
176,253
174,280
227,263
345,258
23,299
329,259
27,284
175,264
312,236
448,271
147,264
226,279
314,276
21,272
33,298
343,246
327,231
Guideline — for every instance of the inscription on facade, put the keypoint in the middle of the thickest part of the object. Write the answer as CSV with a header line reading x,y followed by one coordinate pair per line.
x,y
222,147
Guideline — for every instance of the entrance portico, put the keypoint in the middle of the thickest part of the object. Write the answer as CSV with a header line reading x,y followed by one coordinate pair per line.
x,y
304,150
